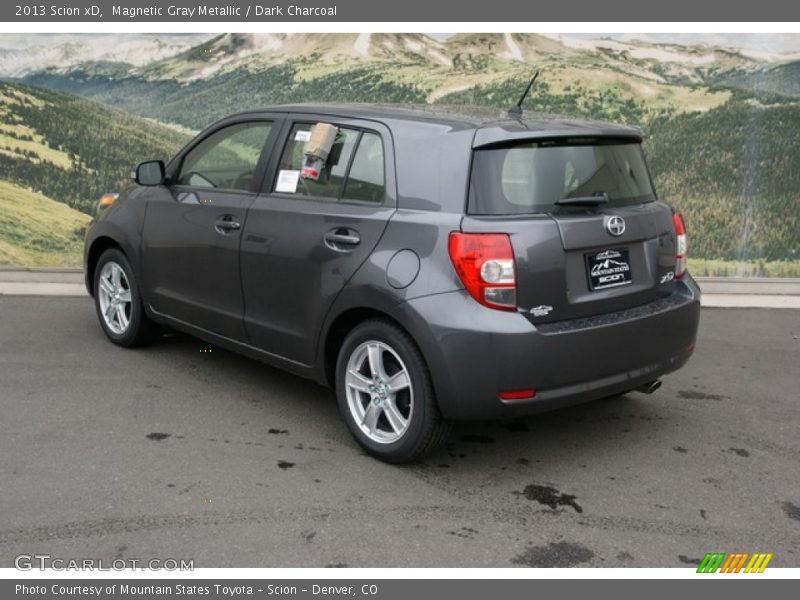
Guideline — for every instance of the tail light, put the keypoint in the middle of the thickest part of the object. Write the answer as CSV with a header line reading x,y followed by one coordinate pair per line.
x,y
485,264
682,245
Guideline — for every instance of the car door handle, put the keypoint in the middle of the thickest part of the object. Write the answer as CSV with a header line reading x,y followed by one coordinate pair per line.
x,y
342,239
227,224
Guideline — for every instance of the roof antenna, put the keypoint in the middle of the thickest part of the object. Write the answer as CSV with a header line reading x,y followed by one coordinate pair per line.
x,y
515,112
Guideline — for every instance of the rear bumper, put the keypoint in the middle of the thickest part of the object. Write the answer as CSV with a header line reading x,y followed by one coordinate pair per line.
x,y
474,352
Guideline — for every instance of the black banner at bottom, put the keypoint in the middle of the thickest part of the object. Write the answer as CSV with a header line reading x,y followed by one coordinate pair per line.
x,y
733,586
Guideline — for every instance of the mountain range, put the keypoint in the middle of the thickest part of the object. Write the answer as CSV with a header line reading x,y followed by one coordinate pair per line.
x,y
721,122
21,54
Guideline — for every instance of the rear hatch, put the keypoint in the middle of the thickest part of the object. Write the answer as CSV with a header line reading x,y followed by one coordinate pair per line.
x,y
588,234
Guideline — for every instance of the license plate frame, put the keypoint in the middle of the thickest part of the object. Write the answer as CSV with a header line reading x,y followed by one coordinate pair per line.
x,y
609,268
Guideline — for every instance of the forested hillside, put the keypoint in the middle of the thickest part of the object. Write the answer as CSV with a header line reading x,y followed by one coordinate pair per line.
x,y
735,172
576,100
783,79
71,149
167,100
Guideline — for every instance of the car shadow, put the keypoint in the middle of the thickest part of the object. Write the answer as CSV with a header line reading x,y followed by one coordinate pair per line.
x,y
608,425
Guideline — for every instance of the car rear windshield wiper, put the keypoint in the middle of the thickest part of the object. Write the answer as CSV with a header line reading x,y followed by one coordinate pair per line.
x,y
595,200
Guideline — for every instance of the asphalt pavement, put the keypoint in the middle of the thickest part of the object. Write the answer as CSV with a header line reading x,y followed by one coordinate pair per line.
x,y
183,450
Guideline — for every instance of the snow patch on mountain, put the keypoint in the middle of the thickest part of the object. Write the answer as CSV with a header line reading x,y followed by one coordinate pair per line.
x,y
514,52
361,45
412,45
439,57
651,52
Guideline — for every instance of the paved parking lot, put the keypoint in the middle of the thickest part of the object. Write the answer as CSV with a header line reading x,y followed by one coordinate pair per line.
x,y
183,450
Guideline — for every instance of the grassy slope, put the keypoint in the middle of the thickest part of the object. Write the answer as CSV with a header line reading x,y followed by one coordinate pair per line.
x,y
38,231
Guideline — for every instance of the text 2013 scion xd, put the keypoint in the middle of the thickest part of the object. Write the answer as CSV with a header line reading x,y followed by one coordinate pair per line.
x,y
429,266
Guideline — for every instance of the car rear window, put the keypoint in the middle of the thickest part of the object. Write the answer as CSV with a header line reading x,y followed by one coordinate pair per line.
x,y
531,177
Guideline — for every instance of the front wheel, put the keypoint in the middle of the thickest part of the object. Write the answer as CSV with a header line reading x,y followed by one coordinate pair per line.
x,y
118,301
385,393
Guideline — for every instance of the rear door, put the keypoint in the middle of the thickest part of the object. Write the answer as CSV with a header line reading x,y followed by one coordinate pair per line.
x,y
305,237
192,228
575,259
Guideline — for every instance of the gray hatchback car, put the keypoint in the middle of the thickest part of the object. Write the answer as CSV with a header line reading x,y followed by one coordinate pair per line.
x,y
428,265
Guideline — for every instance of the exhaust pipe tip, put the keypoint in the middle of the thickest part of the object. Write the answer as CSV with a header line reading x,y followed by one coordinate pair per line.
x,y
649,388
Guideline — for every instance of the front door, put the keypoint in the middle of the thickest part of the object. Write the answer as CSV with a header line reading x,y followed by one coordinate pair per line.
x,y
193,228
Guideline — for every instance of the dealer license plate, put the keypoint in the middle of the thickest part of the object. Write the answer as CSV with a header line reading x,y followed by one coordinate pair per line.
x,y
609,268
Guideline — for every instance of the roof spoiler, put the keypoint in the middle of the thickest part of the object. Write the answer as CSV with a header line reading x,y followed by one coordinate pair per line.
x,y
498,136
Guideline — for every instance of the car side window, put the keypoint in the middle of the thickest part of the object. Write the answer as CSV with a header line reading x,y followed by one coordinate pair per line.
x,y
330,182
227,159
366,178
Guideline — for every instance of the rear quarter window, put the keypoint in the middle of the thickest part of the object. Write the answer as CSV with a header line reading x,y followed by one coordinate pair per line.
x,y
332,176
354,170
366,179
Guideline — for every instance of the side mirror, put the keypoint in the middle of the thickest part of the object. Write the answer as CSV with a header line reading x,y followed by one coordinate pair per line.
x,y
149,173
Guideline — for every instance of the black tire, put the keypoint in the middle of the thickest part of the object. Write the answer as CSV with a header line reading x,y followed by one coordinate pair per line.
x,y
426,429
140,329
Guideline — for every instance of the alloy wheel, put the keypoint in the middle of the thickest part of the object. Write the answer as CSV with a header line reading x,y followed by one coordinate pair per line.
x,y
379,392
114,296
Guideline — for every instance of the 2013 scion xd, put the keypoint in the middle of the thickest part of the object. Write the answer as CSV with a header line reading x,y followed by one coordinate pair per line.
x,y
437,266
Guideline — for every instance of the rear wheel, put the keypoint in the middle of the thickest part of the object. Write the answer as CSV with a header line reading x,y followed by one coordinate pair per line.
x,y
385,393
118,302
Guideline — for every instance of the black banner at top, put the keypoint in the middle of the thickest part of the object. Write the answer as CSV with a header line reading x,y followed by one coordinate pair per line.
x,y
400,11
